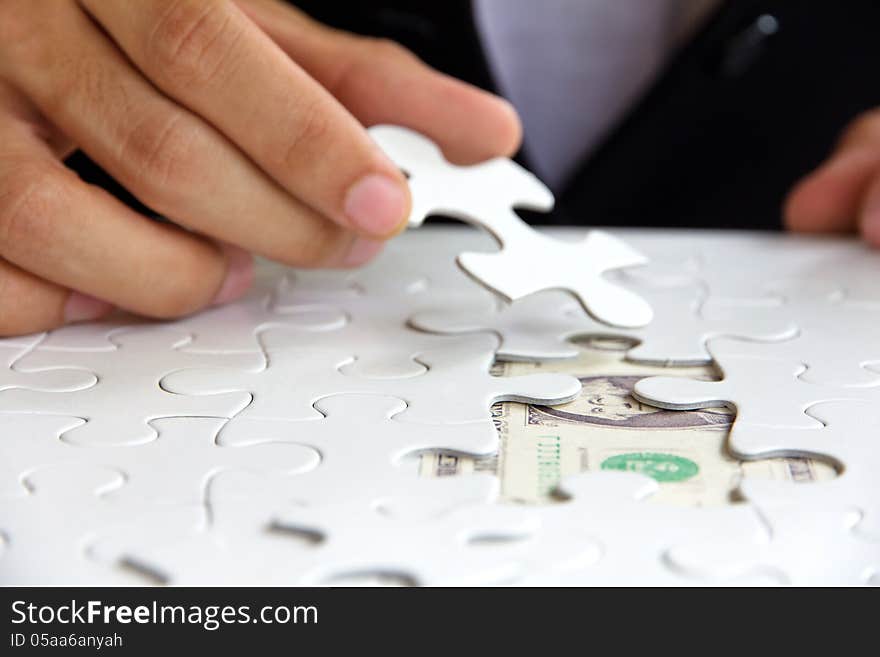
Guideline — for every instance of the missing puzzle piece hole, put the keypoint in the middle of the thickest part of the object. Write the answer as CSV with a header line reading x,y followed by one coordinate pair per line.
x,y
494,540
370,578
305,535
152,575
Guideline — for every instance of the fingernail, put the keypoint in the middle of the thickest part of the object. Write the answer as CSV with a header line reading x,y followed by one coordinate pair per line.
x,y
362,251
376,205
82,307
239,275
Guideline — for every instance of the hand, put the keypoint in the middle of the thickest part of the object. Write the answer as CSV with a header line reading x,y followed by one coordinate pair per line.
x,y
843,194
241,122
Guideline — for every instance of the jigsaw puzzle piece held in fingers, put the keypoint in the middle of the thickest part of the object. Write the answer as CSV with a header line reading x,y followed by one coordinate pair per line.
x,y
486,194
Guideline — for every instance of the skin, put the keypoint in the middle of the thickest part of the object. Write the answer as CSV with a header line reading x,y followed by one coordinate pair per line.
x,y
843,194
221,114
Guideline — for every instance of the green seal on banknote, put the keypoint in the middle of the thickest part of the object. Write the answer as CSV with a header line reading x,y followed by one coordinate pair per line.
x,y
658,466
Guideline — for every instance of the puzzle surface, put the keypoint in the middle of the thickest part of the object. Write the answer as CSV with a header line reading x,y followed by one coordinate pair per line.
x,y
271,442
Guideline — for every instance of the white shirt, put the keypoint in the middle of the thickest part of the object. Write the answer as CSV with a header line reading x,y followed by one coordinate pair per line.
x,y
573,67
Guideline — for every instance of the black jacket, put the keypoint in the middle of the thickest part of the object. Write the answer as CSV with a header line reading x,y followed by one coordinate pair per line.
x,y
735,119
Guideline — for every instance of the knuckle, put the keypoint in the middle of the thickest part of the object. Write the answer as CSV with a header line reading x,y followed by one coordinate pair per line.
x,y
311,127
192,40
30,199
81,81
161,154
22,36
382,49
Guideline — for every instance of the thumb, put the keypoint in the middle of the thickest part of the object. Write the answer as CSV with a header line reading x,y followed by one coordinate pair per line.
x,y
830,198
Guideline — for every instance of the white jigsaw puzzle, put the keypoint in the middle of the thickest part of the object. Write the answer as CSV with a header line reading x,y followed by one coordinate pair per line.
x,y
253,533
541,327
46,531
762,389
371,467
173,468
276,440
801,545
835,335
848,437
455,387
636,551
127,395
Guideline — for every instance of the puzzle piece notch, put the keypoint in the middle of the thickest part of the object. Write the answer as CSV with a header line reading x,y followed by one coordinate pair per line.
x,y
528,262
376,334
69,501
847,438
457,388
762,389
361,445
802,546
836,336
129,378
171,469
632,535
462,192
541,327
48,379
253,533
229,328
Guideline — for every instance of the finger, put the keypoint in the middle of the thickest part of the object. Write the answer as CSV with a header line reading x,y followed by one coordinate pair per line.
x,y
29,304
829,199
16,107
79,237
870,211
210,57
381,82
167,157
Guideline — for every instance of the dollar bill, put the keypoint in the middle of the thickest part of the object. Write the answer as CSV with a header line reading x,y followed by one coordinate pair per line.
x,y
607,429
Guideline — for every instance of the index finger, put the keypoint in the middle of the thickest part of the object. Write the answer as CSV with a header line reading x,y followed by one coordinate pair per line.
x,y
382,82
211,58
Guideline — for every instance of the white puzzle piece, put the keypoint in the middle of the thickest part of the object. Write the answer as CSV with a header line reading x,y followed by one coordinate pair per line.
x,y
255,533
761,389
632,552
47,530
541,326
222,481
127,395
369,322
456,387
171,469
800,546
486,194
849,437
49,379
836,336
359,443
